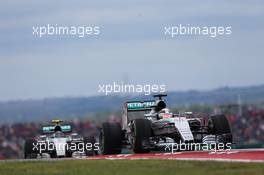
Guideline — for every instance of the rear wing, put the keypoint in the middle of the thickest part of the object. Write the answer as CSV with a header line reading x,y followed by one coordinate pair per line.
x,y
50,129
133,106
139,105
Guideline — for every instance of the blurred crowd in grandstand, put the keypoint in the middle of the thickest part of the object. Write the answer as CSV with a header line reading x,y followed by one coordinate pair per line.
x,y
247,129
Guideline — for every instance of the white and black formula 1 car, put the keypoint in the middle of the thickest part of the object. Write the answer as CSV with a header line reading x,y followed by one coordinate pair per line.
x,y
157,127
57,141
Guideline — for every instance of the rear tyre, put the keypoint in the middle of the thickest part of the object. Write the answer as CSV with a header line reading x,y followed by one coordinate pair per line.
x,y
53,154
110,138
141,133
89,143
219,125
29,150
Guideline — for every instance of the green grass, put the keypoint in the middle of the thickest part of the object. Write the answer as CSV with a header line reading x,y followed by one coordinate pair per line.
x,y
128,167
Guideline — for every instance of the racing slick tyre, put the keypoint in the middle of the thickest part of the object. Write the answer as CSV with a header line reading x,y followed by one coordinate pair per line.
x,y
110,138
68,153
141,132
218,125
29,152
90,143
53,154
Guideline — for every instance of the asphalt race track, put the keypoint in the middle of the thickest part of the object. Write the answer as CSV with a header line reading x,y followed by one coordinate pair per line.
x,y
237,155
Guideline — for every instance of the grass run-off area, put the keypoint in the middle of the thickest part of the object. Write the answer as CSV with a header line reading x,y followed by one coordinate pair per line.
x,y
128,167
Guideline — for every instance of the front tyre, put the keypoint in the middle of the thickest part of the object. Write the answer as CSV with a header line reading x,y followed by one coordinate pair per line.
x,y
29,152
111,138
141,132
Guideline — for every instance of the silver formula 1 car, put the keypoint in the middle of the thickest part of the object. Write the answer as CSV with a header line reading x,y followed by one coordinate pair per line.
x,y
58,140
157,128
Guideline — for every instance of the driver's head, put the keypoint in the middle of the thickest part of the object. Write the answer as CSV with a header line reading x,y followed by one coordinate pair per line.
x,y
57,128
165,113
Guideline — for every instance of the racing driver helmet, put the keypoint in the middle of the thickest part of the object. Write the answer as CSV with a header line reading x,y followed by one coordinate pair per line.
x,y
165,113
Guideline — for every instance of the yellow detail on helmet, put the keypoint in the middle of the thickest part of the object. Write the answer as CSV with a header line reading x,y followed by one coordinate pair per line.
x,y
56,121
